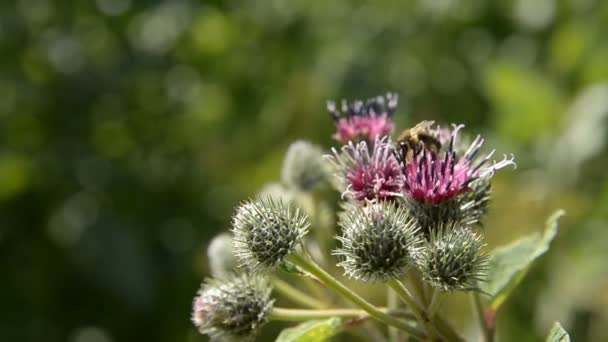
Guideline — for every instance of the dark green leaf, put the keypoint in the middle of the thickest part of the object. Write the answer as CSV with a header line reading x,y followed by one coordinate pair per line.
x,y
508,264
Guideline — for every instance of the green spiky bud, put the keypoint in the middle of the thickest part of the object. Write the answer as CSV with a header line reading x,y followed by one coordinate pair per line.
x,y
378,241
266,231
428,215
452,258
232,309
303,167
220,253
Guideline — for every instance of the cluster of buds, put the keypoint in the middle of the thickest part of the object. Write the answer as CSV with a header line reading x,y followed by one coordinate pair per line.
x,y
414,202
438,184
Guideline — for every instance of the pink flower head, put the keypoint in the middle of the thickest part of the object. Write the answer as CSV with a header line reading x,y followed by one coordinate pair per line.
x,y
200,309
434,178
364,121
369,175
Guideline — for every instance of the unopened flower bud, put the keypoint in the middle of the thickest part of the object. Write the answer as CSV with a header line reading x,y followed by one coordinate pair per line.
x,y
266,231
232,309
378,241
452,259
303,166
360,120
430,216
220,252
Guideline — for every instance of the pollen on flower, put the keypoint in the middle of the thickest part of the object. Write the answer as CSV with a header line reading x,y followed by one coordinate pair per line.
x,y
364,121
369,173
434,178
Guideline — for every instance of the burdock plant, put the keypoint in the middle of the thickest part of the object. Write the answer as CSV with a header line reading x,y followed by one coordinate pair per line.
x,y
410,218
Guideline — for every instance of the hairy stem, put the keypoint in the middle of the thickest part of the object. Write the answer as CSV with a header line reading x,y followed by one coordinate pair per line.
x,y
308,265
296,315
436,300
415,280
488,334
296,295
407,298
392,302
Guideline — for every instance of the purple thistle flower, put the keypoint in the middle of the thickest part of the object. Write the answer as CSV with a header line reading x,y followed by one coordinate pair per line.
x,y
369,175
364,121
435,178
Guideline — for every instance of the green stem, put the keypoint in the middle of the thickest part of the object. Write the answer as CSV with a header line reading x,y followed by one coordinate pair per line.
x,y
407,298
296,295
392,302
488,335
313,286
446,330
296,315
417,285
308,265
436,300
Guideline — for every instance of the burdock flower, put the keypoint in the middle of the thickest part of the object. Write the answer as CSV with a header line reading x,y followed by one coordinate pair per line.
x,y
232,309
266,231
369,175
452,258
434,178
364,121
378,241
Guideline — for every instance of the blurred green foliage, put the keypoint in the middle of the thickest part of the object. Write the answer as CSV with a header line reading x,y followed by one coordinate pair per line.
x,y
129,130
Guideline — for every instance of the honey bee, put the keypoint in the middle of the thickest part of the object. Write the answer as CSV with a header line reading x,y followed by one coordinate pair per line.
x,y
412,140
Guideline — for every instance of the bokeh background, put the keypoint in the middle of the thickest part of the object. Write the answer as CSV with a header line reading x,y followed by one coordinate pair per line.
x,y
130,129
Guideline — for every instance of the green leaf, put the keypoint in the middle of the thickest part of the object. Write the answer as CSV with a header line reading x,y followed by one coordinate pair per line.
x,y
558,334
509,264
312,331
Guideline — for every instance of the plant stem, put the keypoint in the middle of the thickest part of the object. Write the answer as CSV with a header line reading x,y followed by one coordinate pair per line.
x,y
296,315
318,291
392,302
407,298
415,280
436,300
488,335
296,295
446,330
308,265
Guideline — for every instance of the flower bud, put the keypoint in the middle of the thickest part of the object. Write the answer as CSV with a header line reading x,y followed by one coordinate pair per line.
x,y
266,231
367,120
452,259
430,216
221,256
303,167
378,241
232,309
